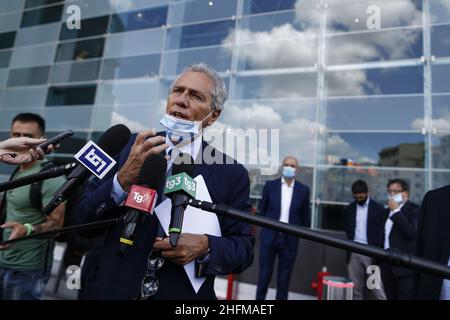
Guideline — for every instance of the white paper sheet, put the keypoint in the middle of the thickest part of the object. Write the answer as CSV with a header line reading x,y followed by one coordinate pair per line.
x,y
195,221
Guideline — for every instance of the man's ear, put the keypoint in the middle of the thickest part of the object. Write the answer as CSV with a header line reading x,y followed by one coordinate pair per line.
x,y
214,116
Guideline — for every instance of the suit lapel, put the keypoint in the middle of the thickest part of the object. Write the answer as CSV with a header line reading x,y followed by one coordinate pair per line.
x,y
277,193
296,194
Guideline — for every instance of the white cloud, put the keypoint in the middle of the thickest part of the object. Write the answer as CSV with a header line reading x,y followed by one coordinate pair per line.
x,y
286,47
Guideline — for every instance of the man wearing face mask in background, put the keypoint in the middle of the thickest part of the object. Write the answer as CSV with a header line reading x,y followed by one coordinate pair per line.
x,y
400,230
364,224
196,99
286,200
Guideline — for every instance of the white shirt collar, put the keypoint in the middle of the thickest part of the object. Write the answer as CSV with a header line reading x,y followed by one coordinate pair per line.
x,y
283,182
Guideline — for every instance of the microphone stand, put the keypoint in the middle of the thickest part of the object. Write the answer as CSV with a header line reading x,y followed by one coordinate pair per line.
x,y
43,175
79,227
392,256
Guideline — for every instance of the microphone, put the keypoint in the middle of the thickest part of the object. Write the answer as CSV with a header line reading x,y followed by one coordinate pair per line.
x,y
142,198
112,142
180,187
43,175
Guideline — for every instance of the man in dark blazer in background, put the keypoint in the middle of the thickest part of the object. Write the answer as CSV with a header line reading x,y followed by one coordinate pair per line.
x,y
400,231
364,224
433,243
286,200
195,101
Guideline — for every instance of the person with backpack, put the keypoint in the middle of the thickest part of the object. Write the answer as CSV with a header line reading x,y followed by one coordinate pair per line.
x,y
25,266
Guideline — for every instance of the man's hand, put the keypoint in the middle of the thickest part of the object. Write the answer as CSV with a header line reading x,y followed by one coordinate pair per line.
x,y
393,205
190,246
22,150
145,145
18,231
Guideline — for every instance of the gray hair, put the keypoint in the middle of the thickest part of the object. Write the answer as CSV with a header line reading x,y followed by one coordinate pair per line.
x,y
219,94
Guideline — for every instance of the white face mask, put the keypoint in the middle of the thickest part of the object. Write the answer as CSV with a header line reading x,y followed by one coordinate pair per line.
x,y
398,198
180,130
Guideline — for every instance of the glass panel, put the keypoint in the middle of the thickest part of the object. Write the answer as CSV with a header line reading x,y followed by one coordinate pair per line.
x,y
386,113
441,78
440,11
199,10
91,8
139,19
374,81
120,6
352,15
80,50
77,71
89,27
441,151
75,118
10,22
331,217
276,86
278,54
72,144
440,179
8,6
37,35
38,3
382,149
71,95
24,97
217,57
142,92
33,56
131,43
4,58
375,46
441,113
205,34
288,24
28,76
131,67
440,41
334,184
260,6
7,39
3,76
41,16
6,117
135,117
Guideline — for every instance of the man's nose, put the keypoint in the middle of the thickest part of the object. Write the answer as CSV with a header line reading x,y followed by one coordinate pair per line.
x,y
182,100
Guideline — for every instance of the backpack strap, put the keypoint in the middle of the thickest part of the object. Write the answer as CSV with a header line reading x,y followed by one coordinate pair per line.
x,y
36,188
3,200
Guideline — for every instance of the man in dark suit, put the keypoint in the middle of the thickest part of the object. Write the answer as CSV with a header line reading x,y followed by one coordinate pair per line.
x,y
400,231
433,243
195,101
286,200
364,224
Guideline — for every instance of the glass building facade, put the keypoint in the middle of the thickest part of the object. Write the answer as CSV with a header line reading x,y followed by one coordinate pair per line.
x,y
357,89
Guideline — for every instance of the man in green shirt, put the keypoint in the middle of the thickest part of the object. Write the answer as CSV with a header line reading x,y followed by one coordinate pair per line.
x,y
25,266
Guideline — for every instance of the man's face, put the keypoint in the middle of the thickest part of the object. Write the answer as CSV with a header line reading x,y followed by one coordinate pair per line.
x,y
395,188
360,197
291,162
191,98
25,129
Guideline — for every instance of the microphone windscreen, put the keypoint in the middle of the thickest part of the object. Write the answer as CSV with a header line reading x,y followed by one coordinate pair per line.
x,y
114,139
153,172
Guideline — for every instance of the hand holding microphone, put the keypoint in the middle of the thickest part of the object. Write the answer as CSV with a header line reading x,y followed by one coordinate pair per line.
x,y
146,144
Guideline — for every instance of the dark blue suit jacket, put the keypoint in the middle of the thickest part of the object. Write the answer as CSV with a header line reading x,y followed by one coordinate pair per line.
x,y
270,206
107,275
